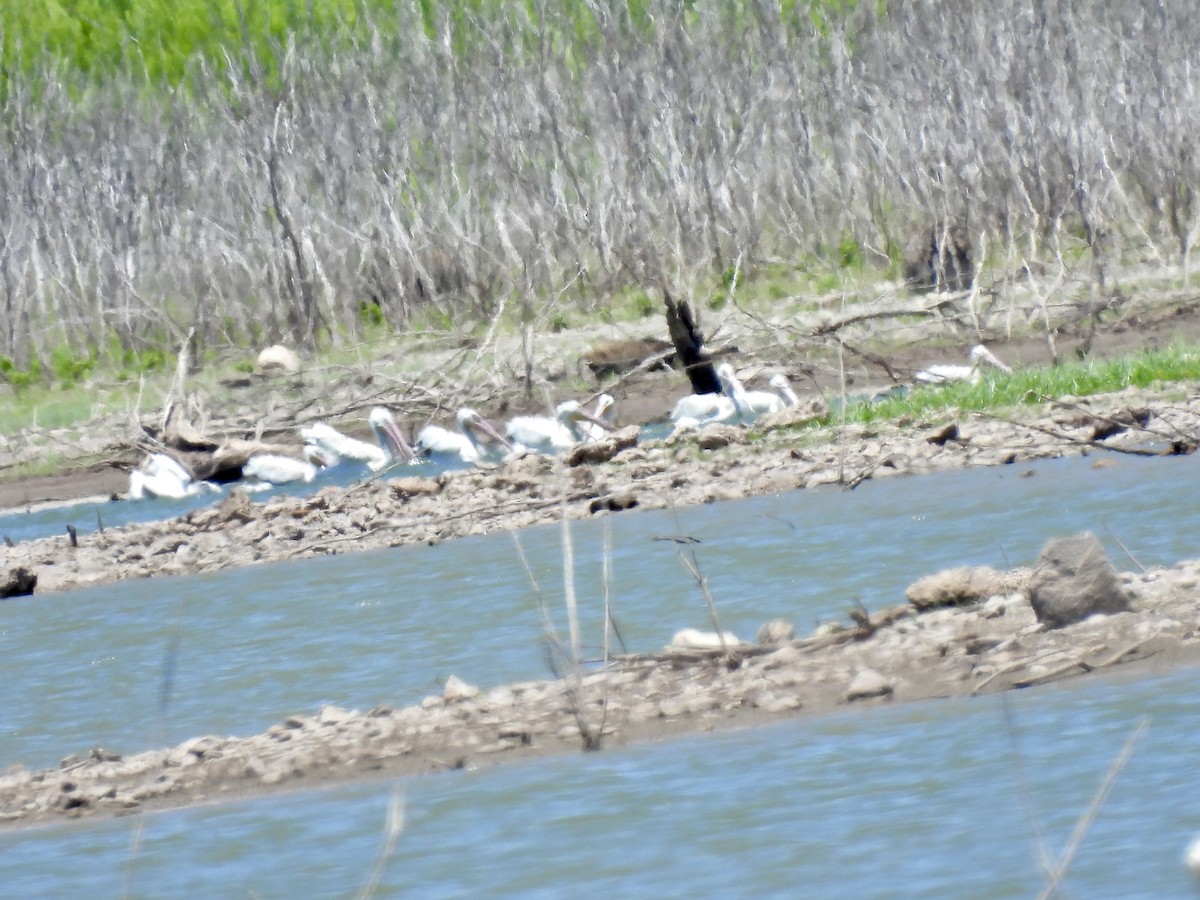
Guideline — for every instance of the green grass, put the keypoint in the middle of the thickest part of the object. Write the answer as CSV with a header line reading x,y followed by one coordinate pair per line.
x,y
163,40
59,407
1077,379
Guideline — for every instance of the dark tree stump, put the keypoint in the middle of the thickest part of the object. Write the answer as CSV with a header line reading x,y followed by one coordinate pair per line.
x,y
940,258
19,583
689,347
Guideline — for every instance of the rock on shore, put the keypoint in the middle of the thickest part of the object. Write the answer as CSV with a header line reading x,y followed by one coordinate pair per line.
x,y
898,654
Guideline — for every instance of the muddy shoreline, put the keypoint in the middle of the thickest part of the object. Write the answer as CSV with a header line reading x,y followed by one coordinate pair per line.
x,y
720,463
898,654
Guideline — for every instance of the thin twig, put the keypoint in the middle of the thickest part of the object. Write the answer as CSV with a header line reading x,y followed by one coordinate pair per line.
x,y
1085,821
392,829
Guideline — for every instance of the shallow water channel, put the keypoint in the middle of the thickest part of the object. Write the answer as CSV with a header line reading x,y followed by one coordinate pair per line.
x,y
932,799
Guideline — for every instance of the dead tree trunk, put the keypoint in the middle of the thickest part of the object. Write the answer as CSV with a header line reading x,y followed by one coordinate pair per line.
x,y
689,347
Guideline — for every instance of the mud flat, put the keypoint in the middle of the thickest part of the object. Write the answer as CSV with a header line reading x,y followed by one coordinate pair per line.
x,y
980,636
983,642
719,463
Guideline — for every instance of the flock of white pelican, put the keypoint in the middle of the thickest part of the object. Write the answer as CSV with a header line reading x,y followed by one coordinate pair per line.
x,y
734,405
476,440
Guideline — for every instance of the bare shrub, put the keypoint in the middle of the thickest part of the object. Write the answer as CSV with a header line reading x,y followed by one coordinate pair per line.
x,y
411,175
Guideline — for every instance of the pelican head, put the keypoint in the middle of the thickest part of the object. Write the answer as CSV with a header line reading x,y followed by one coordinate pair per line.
x,y
780,384
981,355
469,420
571,412
603,404
389,436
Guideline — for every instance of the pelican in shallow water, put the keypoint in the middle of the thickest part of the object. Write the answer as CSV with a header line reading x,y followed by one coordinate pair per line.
x,y
552,434
979,356
750,404
271,468
475,439
333,446
602,410
161,476
697,410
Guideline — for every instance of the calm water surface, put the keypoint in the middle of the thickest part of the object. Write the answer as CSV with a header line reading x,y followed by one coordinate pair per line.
x,y
916,800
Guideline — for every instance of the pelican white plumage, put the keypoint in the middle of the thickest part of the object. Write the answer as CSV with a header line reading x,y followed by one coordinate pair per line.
x,y
161,476
749,404
552,434
702,409
602,410
272,468
387,433
465,445
780,384
698,410
335,447
942,374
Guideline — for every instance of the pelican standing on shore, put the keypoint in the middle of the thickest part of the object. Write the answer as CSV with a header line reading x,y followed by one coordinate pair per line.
x,y
942,374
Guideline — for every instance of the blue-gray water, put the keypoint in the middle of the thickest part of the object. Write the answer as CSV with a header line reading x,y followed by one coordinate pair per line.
x,y
920,800
23,524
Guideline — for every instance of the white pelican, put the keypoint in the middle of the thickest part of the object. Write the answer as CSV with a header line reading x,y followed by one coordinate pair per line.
x,y
335,447
602,410
465,445
750,404
161,476
387,432
780,384
941,374
698,410
270,468
695,410
547,434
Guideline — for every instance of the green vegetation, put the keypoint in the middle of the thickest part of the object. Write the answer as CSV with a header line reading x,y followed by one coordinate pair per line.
x,y
162,39
1077,379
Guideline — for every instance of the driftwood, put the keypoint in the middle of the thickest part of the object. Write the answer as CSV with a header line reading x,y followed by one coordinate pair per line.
x,y
179,434
225,465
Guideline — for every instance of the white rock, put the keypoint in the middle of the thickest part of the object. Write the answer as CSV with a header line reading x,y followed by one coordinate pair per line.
x,y
278,357
332,715
694,639
868,683
456,689
995,607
